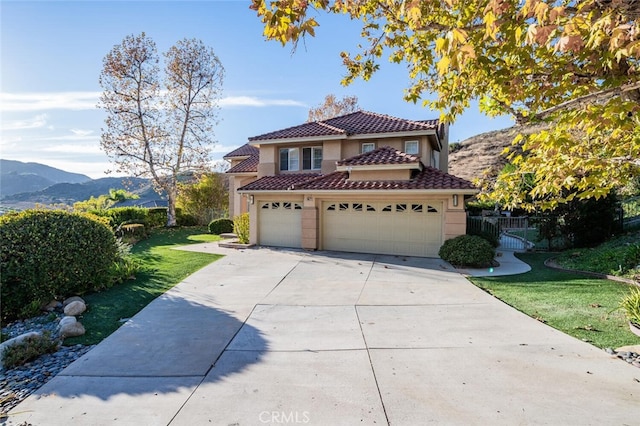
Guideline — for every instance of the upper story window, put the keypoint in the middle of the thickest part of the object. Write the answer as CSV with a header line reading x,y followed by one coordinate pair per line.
x,y
411,147
368,147
290,159
312,158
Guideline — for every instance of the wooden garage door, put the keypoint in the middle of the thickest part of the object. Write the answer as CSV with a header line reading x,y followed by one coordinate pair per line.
x,y
410,228
279,223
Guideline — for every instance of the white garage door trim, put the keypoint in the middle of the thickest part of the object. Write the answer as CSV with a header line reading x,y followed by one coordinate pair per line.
x,y
280,223
410,228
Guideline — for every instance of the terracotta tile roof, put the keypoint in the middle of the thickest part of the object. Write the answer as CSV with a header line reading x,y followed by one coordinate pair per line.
x,y
244,151
278,182
356,123
383,155
250,165
428,178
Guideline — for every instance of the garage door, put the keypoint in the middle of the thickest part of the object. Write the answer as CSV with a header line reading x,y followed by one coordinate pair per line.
x,y
402,228
280,223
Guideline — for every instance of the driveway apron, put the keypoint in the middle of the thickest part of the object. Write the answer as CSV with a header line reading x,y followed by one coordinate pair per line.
x,y
267,336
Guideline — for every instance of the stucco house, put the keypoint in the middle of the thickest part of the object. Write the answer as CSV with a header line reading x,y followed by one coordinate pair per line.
x,y
361,182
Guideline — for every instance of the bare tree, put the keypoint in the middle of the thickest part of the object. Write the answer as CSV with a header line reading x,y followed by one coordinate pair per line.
x,y
160,133
333,108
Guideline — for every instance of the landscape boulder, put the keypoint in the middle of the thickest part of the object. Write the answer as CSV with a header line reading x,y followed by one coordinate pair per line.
x,y
74,308
18,339
71,299
70,328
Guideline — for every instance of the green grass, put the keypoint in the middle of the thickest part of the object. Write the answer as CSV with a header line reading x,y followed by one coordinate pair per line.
x,y
619,256
162,268
585,308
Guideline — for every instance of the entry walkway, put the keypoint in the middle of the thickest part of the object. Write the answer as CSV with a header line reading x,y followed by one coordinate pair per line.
x,y
283,337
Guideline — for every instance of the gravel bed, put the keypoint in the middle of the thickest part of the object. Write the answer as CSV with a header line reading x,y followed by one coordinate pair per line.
x,y
18,383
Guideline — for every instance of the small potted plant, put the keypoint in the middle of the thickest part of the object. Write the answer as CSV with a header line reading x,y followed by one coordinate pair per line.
x,y
631,306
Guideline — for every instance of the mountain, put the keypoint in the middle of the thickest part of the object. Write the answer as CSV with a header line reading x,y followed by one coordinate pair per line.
x,y
17,177
482,154
69,193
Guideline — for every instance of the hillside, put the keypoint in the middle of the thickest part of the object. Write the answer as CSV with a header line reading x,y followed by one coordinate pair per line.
x,y
17,177
69,193
473,156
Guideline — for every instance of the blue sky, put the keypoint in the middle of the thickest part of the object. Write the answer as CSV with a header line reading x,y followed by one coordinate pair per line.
x,y
51,57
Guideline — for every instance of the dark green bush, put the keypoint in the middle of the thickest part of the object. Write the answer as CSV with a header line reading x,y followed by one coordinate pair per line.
x,y
157,217
47,254
221,226
468,250
183,219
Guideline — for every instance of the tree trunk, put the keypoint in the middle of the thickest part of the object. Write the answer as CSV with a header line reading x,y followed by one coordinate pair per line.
x,y
171,210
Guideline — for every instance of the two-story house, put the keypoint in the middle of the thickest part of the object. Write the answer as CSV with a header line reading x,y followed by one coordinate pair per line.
x,y
361,182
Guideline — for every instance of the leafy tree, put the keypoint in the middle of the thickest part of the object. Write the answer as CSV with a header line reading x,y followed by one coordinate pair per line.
x,y
570,64
333,108
205,199
160,132
104,201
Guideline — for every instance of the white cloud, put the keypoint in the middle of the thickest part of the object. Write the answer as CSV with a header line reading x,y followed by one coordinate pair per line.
x,y
29,123
40,101
73,149
80,132
47,101
252,101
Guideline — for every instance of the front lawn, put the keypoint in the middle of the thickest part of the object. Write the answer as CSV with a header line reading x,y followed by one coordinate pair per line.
x,y
586,308
162,268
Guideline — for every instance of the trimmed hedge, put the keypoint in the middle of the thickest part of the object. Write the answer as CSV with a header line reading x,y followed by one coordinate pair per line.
x,y
468,250
221,226
47,254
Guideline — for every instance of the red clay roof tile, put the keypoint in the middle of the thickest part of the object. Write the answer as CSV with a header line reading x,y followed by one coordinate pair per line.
x,y
428,178
244,151
383,155
278,182
249,165
356,123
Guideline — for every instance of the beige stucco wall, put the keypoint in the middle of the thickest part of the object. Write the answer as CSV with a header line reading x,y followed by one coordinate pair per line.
x,y
238,202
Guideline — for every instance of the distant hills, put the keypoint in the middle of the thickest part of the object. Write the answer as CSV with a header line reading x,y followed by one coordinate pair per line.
x,y
23,185
17,177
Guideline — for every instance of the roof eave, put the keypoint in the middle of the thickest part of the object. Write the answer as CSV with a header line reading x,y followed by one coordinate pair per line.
x,y
425,132
363,191
295,140
378,167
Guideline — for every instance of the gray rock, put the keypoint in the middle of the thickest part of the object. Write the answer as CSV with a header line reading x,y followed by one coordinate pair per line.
x,y
66,321
74,308
72,299
52,306
18,339
72,330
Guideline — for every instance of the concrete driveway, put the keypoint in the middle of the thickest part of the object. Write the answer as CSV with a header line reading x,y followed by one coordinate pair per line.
x,y
283,337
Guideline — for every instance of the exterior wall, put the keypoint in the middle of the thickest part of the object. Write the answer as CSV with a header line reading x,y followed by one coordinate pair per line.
x,y
331,152
237,202
360,175
455,219
268,161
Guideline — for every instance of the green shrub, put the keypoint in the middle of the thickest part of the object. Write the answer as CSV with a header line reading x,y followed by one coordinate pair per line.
x,y
241,228
157,217
221,226
28,349
631,306
468,250
47,254
183,219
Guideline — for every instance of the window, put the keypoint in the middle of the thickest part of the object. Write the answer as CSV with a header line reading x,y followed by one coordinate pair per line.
x,y
312,158
368,147
411,147
289,159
